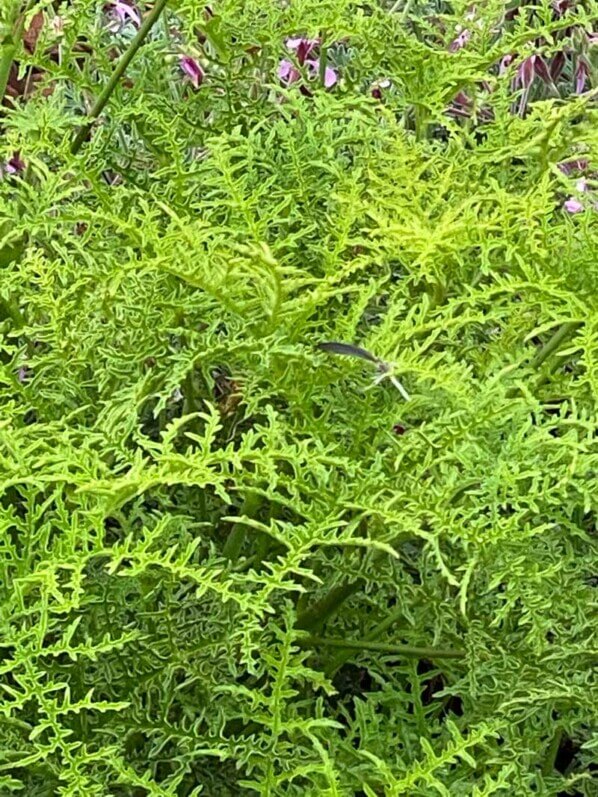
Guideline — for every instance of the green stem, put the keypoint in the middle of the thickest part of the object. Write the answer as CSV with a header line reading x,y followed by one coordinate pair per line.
x,y
318,613
323,62
6,59
338,660
236,538
551,753
563,332
383,647
8,47
119,71
191,400
406,8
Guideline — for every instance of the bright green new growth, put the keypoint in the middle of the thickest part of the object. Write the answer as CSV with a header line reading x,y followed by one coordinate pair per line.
x,y
222,570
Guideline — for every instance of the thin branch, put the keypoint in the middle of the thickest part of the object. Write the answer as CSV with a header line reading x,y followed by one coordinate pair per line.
x,y
383,647
564,332
237,535
378,630
551,753
318,613
119,71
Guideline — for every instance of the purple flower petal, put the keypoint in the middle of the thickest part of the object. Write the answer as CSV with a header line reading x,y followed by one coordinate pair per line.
x,y
560,6
460,41
14,165
541,69
573,205
303,47
581,73
126,12
288,72
557,65
192,69
505,62
460,106
330,75
378,87
579,165
526,72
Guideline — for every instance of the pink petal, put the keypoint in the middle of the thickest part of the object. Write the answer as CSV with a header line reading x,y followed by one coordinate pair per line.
x,y
557,65
460,41
13,165
541,69
572,205
581,74
527,71
124,11
560,6
303,47
301,41
288,72
504,63
192,69
292,44
330,75
580,165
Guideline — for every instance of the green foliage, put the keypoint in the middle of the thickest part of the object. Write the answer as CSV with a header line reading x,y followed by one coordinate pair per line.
x,y
195,501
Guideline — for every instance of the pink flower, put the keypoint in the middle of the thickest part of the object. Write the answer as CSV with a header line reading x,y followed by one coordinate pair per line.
x,y
460,41
14,165
526,72
560,6
530,67
573,205
557,64
579,165
330,76
288,72
378,87
302,47
581,73
124,13
192,69
505,62
460,106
